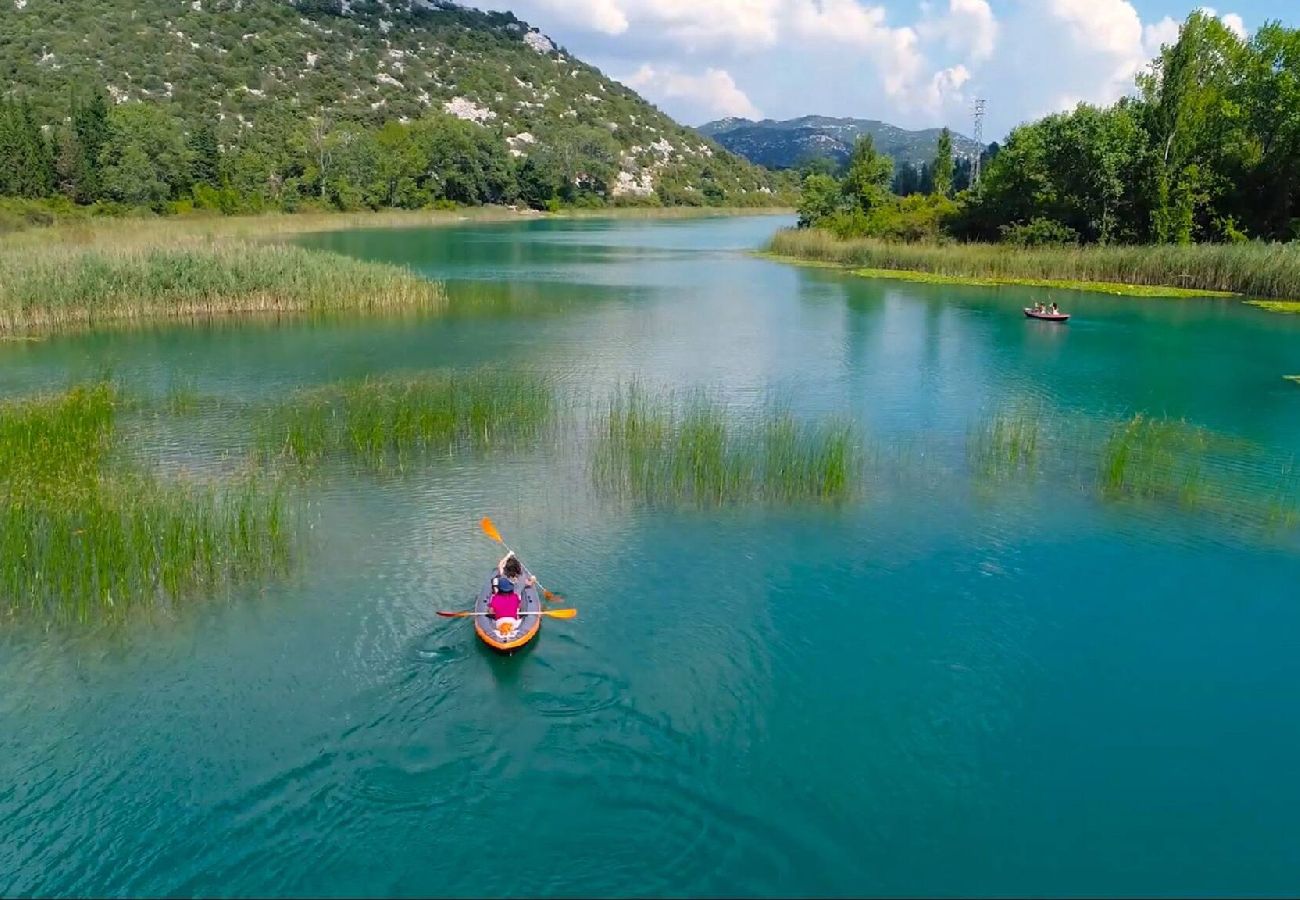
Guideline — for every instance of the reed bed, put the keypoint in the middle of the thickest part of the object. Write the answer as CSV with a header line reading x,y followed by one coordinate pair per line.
x,y
1256,269
1155,458
1006,443
656,450
382,421
84,535
62,286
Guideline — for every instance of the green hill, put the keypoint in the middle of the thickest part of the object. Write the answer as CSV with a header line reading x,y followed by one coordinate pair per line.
x,y
294,93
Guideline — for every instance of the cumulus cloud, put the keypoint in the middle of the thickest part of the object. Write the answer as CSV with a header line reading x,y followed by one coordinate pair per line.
x,y
1158,34
913,62
1234,23
967,27
712,93
605,16
692,24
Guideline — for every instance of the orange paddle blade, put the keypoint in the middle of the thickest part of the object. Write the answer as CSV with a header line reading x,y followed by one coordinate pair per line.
x,y
454,615
552,596
560,613
490,530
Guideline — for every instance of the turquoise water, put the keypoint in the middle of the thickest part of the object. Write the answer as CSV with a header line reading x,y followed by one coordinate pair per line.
x,y
950,686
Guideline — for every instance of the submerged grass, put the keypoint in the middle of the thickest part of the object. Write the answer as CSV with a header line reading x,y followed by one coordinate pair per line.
x,y
64,286
1156,458
84,535
656,450
380,421
1006,443
1258,270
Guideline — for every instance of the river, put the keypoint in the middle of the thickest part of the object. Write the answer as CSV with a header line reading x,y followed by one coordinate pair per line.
x,y
945,687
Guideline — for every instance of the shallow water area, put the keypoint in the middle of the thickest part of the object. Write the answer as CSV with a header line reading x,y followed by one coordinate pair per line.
x,y
955,683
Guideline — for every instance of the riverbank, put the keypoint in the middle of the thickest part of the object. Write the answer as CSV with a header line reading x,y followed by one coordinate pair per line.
x,y
1270,273
92,273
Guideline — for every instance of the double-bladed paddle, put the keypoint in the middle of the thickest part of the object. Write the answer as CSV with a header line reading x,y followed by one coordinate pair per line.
x,y
491,531
553,613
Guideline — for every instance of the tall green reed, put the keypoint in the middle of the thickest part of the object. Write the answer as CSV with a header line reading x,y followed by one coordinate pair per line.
x,y
382,421
1254,269
658,449
85,535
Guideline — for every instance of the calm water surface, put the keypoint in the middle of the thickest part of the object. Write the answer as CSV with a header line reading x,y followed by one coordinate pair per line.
x,y
943,688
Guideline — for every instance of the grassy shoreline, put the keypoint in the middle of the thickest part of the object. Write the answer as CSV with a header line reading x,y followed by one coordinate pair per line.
x,y
1270,273
93,273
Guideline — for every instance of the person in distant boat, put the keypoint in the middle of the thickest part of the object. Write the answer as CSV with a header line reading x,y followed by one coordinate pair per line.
x,y
1055,311
504,605
1038,306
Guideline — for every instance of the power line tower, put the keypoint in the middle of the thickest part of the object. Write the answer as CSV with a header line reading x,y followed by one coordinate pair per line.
x,y
979,139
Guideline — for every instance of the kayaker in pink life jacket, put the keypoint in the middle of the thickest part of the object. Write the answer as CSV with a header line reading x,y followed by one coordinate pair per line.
x,y
504,605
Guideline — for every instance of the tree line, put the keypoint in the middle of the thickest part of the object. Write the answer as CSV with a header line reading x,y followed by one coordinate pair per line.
x,y
1208,151
139,154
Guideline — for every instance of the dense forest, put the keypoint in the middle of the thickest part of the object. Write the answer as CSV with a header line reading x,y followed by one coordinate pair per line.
x,y
1208,151
244,105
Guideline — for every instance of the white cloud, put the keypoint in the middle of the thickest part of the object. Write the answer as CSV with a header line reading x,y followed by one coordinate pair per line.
x,y
1106,26
1158,34
694,24
1231,21
916,63
712,94
969,27
605,16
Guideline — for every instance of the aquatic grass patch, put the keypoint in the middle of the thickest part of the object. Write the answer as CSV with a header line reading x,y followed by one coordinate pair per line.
x,y
1286,307
125,542
382,421
1171,459
65,286
660,449
85,535
1270,271
1006,443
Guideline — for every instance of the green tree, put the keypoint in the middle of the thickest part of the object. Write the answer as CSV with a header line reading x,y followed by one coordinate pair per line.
x,y
943,165
26,159
867,181
205,156
820,198
80,145
540,180
144,159
1195,126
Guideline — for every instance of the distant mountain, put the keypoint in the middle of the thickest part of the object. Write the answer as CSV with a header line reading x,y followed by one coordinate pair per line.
x,y
785,145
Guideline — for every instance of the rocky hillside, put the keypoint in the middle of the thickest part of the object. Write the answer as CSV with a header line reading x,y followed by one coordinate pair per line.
x,y
258,66
783,145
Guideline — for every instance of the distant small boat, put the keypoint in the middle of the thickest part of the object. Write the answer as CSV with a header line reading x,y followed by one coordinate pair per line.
x,y
1047,316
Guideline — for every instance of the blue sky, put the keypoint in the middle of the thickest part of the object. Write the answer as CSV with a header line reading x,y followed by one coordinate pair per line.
x,y
915,63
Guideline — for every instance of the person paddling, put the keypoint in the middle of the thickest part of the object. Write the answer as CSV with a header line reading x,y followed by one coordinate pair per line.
x,y
504,605
511,568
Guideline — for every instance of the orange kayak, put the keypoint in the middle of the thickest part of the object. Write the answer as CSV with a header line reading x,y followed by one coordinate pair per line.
x,y
501,635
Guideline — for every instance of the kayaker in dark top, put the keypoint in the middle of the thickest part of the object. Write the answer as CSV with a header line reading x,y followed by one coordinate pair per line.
x,y
511,568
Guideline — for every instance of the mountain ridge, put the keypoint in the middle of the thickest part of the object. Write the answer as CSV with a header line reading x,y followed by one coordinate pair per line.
x,y
788,143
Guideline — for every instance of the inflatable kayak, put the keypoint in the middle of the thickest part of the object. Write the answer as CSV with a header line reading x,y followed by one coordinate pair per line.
x,y
1048,317
499,635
